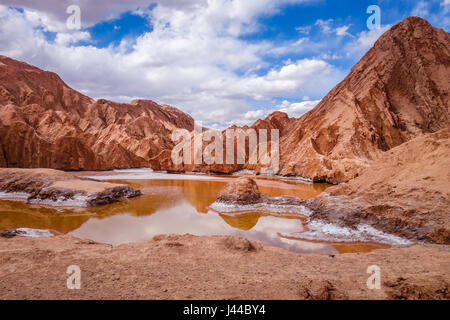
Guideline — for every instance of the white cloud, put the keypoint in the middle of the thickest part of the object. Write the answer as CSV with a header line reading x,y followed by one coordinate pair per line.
x,y
330,56
52,13
193,59
293,109
304,77
421,9
304,30
343,31
364,41
253,115
297,109
327,28
325,25
438,18
70,38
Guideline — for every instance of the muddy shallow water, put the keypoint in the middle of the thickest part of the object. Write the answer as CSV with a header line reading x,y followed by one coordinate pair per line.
x,y
177,204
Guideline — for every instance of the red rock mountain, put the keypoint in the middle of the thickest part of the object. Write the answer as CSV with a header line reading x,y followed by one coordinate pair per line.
x,y
399,90
46,124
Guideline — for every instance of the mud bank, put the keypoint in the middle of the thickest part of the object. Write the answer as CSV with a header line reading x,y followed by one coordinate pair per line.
x,y
406,192
242,195
217,267
58,188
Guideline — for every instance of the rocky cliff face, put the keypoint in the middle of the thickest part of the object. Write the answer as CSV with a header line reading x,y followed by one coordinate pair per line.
x,y
399,90
277,120
46,124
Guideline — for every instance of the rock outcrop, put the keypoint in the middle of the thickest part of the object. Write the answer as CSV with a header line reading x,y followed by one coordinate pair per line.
x,y
241,191
243,195
46,124
399,90
405,192
57,188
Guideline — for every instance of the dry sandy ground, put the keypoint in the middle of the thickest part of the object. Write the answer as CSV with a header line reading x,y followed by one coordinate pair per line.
x,y
219,267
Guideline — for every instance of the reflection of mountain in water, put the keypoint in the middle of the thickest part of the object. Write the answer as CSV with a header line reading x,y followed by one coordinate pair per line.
x,y
245,221
158,195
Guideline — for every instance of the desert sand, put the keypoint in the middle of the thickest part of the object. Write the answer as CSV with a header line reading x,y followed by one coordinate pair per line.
x,y
218,267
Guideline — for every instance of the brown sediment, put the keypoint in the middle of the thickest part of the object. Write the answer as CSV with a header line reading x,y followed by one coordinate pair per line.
x,y
216,267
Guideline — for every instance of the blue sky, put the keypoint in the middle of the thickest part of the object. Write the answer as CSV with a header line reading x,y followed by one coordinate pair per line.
x,y
222,61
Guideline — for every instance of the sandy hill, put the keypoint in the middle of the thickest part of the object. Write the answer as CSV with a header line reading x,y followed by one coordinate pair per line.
x,y
405,192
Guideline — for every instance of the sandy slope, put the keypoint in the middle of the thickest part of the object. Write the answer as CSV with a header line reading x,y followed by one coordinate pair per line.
x,y
407,192
189,267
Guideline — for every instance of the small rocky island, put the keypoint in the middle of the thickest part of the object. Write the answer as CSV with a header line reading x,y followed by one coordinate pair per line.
x,y
59,188
243,195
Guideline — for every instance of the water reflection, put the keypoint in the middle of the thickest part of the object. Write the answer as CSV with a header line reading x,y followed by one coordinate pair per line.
x,y
183,218
173,206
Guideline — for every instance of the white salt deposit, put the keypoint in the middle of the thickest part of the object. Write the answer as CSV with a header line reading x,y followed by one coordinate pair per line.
x,y
322,231
33,233
78,200
275,208
14,195
148,174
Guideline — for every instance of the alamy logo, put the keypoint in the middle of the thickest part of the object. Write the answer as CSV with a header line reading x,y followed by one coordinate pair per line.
x,y
374,21
74,20
374,281
74,280
213,153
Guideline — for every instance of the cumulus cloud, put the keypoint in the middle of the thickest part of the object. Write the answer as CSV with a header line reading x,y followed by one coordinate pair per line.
x,y
53,13
327,28
364,41
343,31
297,109
70,38
194,57
306,76
436,17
